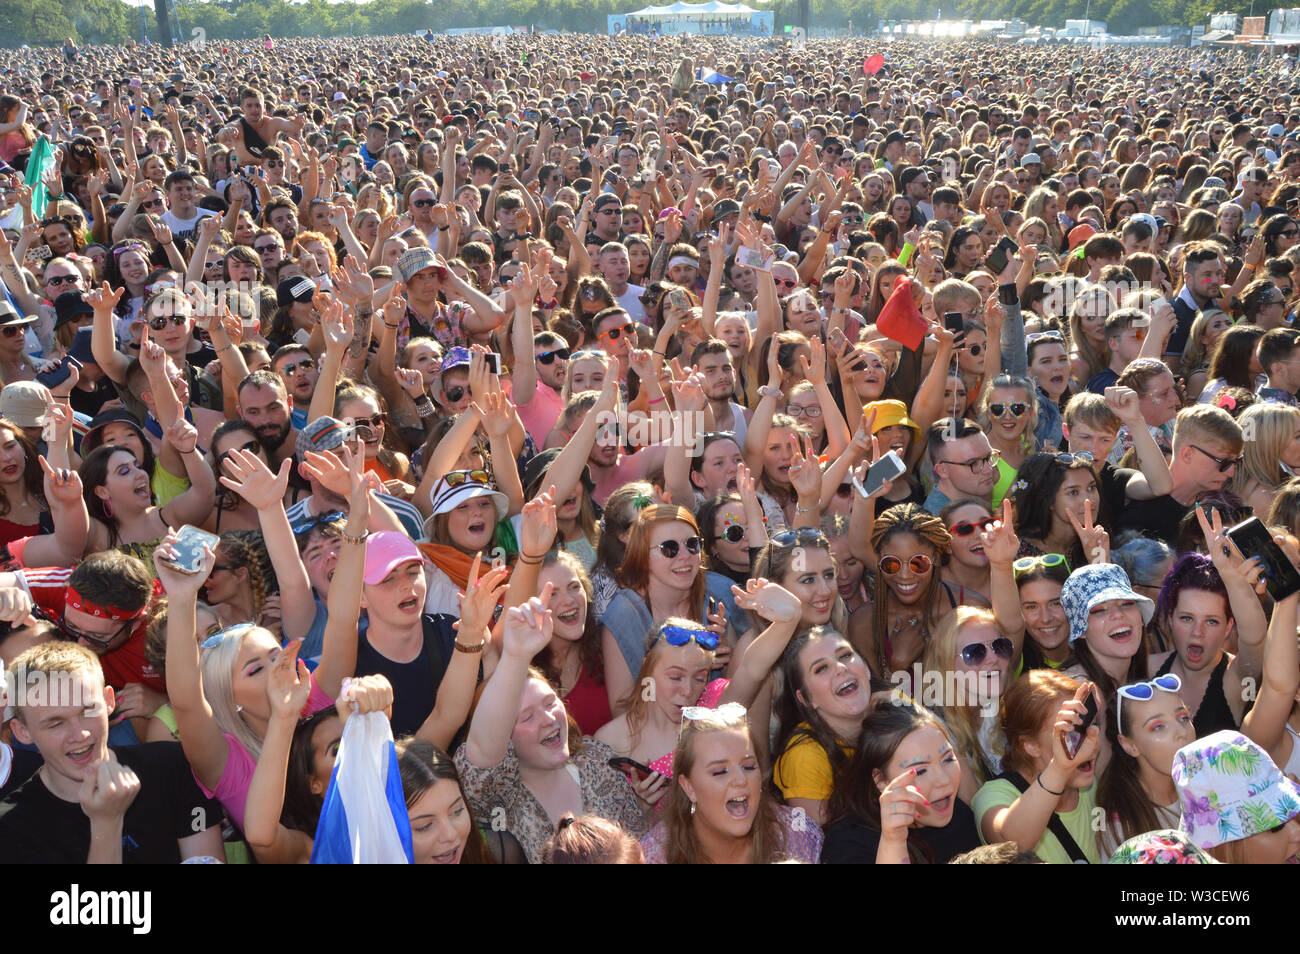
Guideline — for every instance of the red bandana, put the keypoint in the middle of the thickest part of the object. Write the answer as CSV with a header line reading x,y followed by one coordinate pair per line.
x,y
74,600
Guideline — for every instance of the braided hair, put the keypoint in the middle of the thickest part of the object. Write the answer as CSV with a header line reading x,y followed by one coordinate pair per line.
x,y
903,519
247,549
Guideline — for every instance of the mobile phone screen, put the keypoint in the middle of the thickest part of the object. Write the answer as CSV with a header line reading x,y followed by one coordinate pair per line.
x,y
1253,540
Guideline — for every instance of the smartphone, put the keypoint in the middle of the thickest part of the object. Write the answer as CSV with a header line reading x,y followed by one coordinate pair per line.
x,y
59,373
1253,540
1074,738
189,545
955,322
754,259
493,362
889,467
677,299
1008,295
628,766
997,259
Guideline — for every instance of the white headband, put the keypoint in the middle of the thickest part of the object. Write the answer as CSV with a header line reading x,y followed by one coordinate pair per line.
x,y
682,260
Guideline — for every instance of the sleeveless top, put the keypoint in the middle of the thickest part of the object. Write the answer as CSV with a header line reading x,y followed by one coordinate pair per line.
x,y
1292,766
1215,714
253,141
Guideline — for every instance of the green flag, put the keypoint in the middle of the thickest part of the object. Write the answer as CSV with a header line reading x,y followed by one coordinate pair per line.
x,y
41,158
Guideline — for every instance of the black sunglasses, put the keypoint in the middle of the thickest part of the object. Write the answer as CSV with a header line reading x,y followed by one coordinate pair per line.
x,y
670,548
160,322
453,394
733,533
548,357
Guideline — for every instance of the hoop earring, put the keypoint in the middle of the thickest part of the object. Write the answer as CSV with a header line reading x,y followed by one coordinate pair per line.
x,y
108,507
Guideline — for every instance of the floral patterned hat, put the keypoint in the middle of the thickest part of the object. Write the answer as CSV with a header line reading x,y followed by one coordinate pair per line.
x,y
1168,846
1230,789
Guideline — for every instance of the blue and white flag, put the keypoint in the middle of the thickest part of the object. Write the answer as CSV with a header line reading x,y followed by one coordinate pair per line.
x,y
363,820
713,77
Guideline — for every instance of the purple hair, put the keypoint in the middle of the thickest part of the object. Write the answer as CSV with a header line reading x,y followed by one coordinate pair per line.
x,y
1191,571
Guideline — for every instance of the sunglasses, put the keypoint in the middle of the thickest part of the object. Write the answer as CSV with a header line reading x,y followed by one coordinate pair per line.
x,y
1016,409
1225,463
1081,457
453,394
786,282
1043,336
159,322
428,203
892,565
628,329
267,247
58,280
966,527
1027,563
670,548
680,636
373,423
548,357
97,640
458,478
152,204
733,533
295,367
1144,692
976,653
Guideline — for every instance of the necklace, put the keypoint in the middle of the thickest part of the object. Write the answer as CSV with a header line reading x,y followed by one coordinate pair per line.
x,y
910,622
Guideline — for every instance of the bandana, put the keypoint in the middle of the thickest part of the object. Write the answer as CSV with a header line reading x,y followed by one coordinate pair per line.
x,y
682,260
74,600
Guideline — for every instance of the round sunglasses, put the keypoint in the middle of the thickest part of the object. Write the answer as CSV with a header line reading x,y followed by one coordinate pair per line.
x,y
892,565
670,548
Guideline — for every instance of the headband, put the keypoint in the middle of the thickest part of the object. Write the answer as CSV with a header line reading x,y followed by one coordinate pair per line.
x,y
74,600
682,260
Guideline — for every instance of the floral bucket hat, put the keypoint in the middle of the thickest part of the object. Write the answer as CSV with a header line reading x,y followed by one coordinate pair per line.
x,y
1230,789
1168,846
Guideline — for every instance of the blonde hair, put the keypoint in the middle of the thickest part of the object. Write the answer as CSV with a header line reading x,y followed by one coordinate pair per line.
x,y
1271,427
1195,356
637,705
587,354
963,719
1096,300
1207,422
217,668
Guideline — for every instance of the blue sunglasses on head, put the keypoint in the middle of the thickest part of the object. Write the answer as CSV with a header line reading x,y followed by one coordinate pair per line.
x,y
680,636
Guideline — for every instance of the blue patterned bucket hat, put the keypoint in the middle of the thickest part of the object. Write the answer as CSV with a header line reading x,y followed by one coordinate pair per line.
x,y
1230,789
1098,583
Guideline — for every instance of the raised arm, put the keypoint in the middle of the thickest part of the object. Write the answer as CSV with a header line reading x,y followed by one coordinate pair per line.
x,y
103,341
1266,721
778,605
473,631
527,630
205,748
338,658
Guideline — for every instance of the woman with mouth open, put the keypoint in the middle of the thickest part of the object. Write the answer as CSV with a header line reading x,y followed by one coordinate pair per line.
x,y
517,756
1056,500
1203,604
1044,799
1008,414
898,800
718,811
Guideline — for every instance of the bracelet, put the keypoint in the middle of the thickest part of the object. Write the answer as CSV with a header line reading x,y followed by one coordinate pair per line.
x,y
225,348
387,325
469,649
526,560
798,509
661,354
347,538
657,400
769,391
1246,266
1046,789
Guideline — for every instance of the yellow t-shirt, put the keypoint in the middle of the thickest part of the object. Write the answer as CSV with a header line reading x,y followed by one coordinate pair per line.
x,y
999,793
167,486
803,770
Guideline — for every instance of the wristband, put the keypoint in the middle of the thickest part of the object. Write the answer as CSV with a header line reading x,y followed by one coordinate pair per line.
x,y
657,400
351,539
905,255
469,649
769,391
1046,789
1246,266
798,509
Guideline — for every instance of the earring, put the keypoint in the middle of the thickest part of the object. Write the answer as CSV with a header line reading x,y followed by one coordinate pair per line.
x,y
108,507
241,709
692,808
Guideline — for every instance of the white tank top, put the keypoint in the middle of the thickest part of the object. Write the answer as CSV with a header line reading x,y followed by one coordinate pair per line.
x,y
1292,766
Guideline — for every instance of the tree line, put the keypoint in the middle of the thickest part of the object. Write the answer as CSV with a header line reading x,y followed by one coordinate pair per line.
x,y
48,22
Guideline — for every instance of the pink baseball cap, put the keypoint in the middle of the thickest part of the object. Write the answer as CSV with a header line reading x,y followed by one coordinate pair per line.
x,y
387,550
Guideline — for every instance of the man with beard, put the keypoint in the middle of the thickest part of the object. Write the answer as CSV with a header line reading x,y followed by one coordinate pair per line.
x,y
712,361
297,370
282,215
264,404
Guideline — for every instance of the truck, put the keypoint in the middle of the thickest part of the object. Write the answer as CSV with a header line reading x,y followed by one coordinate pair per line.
x,y
1083,28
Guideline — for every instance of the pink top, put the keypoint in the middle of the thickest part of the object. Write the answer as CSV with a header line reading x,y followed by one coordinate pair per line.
x,y
540,414
232,790
802,839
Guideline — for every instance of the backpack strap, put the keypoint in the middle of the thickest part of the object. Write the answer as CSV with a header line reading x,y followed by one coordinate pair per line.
x,y
1055,825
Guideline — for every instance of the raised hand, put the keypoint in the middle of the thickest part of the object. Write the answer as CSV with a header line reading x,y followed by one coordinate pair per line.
x,y
538,526
161,233
479,601
1124,402
769,600
1000,541
813,366
108,790
496,413
1093,536
326,468
528,627
805,471
62,485
288,684
411,380
104,298
900,805
249,477
182,435
176,582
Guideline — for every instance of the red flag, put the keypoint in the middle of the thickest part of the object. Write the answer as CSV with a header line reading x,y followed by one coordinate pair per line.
x,y
873,64
900,319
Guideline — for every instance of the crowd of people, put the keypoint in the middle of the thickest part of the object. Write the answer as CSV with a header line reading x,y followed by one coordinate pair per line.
x,y
841,464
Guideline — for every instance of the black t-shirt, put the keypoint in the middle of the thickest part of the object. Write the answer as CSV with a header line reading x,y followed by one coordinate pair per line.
x,y
1157,518
16,767
850,842
1112,485
90,402
415,683
38,827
